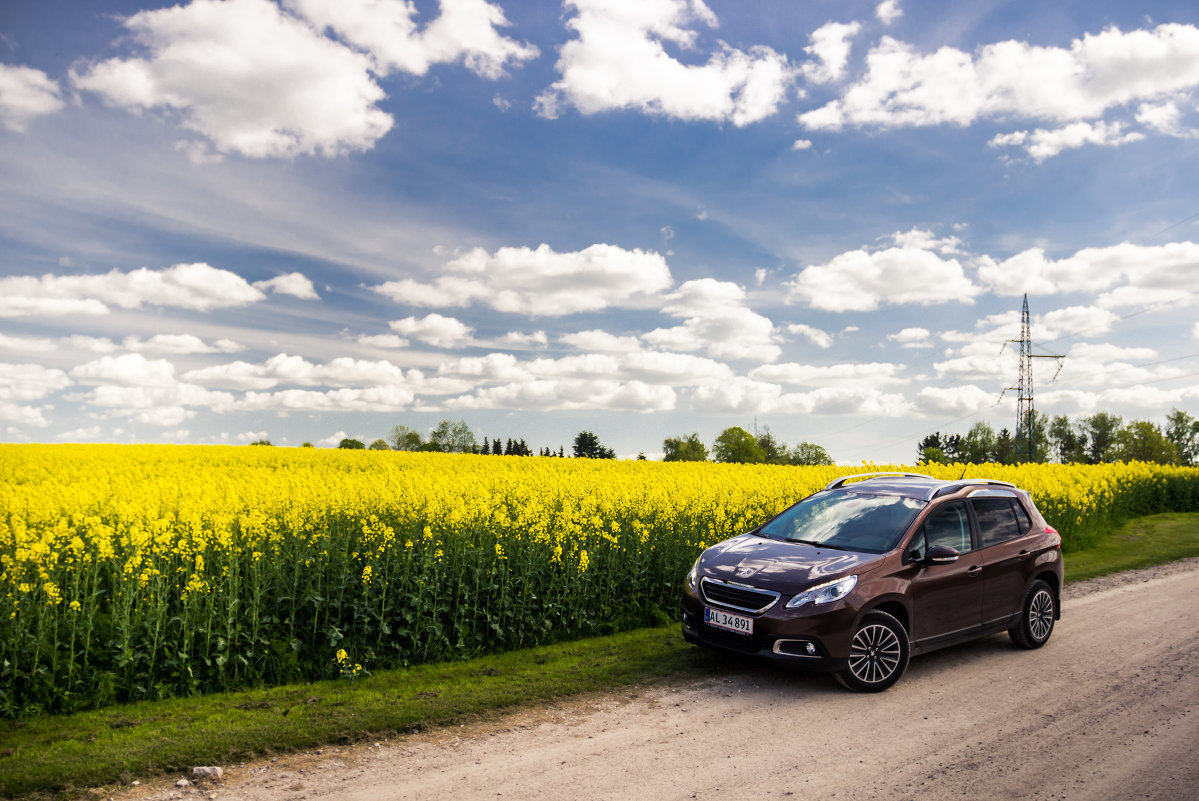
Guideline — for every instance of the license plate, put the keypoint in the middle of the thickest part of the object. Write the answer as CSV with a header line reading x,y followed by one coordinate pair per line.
x,y
728,621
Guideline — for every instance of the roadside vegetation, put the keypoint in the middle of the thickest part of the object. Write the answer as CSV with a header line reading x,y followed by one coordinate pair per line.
x,y
54,756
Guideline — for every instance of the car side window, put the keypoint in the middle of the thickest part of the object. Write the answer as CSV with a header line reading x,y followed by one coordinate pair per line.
x,y
1023,518
950,526
996,520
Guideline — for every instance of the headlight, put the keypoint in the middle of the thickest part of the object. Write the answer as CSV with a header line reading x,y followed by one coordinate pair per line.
x,y
693,577
825,593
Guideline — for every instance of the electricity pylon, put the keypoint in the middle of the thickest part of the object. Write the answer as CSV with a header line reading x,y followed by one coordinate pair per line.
x,y
1026,414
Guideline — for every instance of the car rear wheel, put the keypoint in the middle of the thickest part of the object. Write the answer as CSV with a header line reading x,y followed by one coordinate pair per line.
x,y
878,654
1036,622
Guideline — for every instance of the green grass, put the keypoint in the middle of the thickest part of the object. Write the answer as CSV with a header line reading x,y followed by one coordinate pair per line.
x,y
1143,542
62,755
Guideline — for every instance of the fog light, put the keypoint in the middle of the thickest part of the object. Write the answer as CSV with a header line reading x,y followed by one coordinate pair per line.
x,y
811,649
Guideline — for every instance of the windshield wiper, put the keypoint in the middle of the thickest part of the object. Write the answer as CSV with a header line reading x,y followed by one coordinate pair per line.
x,y
819,544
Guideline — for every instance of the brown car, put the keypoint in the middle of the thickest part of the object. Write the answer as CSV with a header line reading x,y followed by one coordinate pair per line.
x,y
877,567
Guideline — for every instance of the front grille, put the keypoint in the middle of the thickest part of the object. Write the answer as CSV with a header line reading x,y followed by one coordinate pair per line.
x,y
734,596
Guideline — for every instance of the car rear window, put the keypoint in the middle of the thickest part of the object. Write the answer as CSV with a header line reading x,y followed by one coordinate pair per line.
x,y
851,521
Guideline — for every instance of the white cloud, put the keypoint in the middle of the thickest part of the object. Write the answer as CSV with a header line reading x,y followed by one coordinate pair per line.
x,y
346,399
1017,80
294,284
27,344
1101,365
572,395
1173,267
540,282
332,440
717,320
82,434
1074,321
859,280
387,30
198,287
748,396
830,46
982,359
801,144
519,339
254,436
26,94
820,339
91,344
1164,118
29,382
601,341
435,330
619,60
247,77
286,369
922,239
22,415
867,374
959,400
383,341
1195,331
888,11
912,338
179,344
1042,144
130,369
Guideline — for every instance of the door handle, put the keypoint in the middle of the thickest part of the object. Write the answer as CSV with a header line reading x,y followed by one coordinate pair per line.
x,y
1023,554
974,570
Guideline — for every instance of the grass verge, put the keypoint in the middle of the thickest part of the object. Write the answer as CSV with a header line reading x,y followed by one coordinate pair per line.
x,y
62,755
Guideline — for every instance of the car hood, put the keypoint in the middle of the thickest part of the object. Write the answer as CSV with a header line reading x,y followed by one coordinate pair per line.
x,y
785,567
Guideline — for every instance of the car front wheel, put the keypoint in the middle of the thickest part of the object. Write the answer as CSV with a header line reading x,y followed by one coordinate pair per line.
x,y
1036,622
878,654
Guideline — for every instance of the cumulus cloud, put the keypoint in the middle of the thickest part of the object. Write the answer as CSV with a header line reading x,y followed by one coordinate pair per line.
x,y
749,396
861,280
435,330
830,49
390,398
601,341
866,374
247,77
25,95
1042,144
1169,270
1097,73
180,345
286,369
820,339
27,344
130,369
570,395
294,284
716,319
959,400
540,281
198,287
387,31
912,338
888,11
619,60
29,382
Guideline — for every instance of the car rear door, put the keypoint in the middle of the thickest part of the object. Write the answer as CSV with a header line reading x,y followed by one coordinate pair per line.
x,y
1006,543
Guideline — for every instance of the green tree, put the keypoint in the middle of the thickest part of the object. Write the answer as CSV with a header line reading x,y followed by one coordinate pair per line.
x,y
978,446
1005,447
1142,441
1101,431
1183,431
403,438
380,445
1038,449
453,436
307,445
1067,442
809,453
587,446
737,445
266,442
351,444
929,444
931,455
684,449
773,451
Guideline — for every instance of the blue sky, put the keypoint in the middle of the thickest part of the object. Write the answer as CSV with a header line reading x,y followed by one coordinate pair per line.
x,y
231,220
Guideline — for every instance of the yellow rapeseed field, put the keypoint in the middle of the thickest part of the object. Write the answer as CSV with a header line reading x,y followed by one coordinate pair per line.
x,y
148,571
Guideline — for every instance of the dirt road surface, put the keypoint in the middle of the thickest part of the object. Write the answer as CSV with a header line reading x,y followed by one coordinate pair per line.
x,y
1109,709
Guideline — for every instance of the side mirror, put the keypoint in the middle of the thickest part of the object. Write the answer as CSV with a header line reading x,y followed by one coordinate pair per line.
x,y
941,554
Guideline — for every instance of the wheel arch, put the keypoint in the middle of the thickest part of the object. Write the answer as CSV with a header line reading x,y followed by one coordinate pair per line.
x,y
1050,577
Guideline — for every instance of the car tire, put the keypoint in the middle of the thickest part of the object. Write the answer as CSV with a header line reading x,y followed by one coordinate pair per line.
x,y
1036,618
878,655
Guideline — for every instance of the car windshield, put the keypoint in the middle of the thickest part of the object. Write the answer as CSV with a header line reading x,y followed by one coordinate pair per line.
x,y
850,521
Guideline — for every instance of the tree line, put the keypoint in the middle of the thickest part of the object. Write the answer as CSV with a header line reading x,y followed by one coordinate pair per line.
x,y
1096,439
733,445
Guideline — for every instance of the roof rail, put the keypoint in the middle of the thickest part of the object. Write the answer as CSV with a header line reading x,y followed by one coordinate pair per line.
x,y
954,486
840,482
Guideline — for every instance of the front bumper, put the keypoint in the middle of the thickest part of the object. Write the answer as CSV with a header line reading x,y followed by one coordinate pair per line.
x,y
802,639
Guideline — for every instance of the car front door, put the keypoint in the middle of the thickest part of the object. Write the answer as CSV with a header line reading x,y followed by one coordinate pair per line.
x,y
946,597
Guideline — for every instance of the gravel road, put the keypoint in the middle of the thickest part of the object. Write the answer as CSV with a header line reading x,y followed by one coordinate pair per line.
x,y
1109,709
